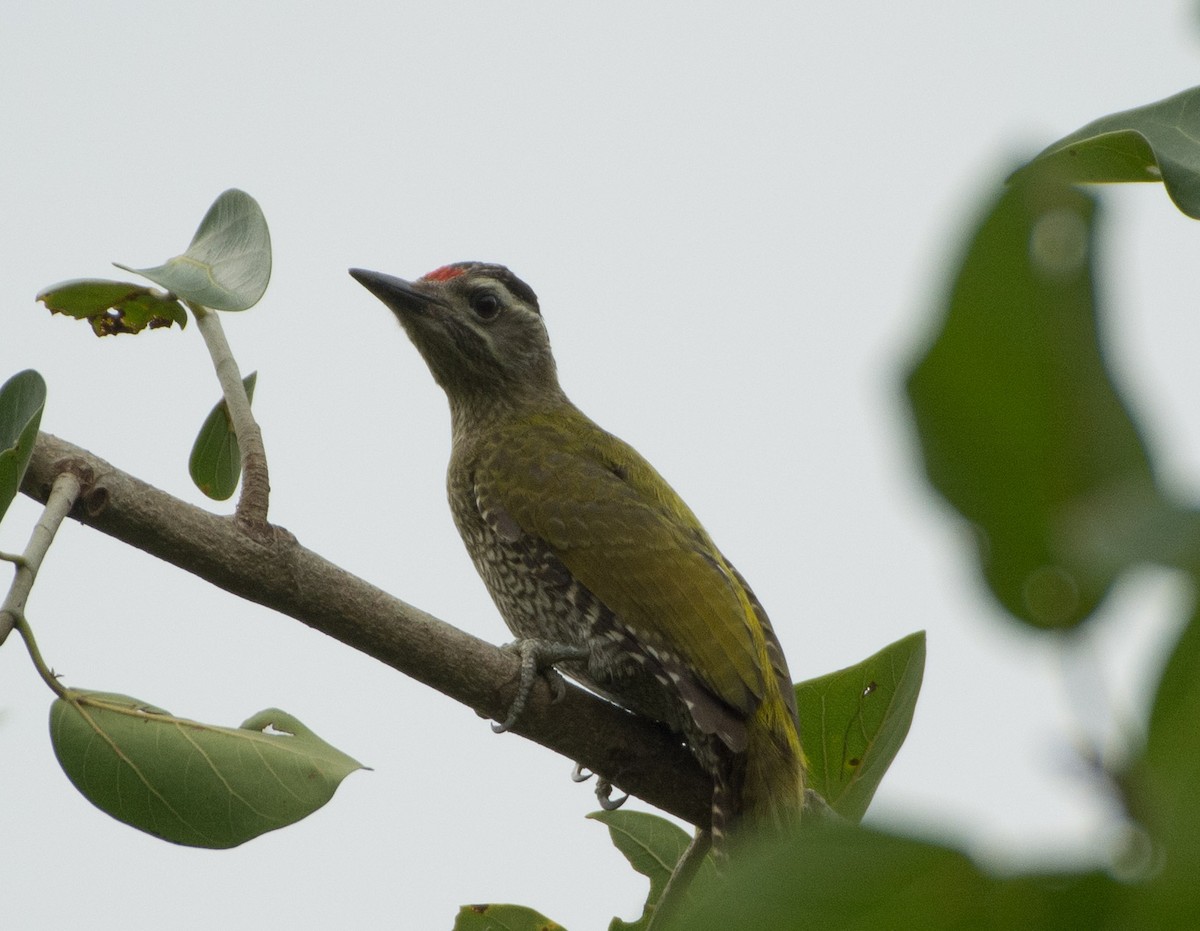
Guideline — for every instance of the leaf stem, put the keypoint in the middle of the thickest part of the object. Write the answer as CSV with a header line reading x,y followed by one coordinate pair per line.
x,y
26,632
63,494
254,500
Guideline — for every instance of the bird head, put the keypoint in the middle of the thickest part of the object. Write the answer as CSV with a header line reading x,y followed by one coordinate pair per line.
x,y
479,329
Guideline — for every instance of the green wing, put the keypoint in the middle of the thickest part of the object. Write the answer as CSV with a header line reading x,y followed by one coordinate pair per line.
x,y
629,538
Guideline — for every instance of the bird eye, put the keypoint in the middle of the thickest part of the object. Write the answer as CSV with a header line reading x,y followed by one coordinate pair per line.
x,y
485,305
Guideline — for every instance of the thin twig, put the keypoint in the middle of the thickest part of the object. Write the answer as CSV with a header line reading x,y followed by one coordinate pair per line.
x,y
63,494
255,498
681,880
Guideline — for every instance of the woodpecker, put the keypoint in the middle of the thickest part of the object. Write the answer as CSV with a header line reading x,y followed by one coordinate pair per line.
x,y
592,559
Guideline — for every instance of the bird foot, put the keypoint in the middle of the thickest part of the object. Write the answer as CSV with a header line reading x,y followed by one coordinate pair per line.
x,y
604,788
537,658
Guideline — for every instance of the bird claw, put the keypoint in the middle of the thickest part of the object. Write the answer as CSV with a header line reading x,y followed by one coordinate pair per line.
x,y
537,658
604,790
558,685
579,774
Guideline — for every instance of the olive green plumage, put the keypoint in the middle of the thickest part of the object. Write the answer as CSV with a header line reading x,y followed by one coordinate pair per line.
x,y
582,544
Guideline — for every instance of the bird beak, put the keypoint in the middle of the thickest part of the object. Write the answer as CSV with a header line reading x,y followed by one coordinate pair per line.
x,y
396,293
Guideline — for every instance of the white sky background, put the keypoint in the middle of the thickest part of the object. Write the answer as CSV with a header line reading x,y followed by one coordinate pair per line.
x,y
736,222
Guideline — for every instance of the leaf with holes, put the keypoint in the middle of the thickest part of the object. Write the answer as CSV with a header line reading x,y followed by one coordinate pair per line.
x,y
22,400
216,461
853,721
653,846
503,918
1157,142
1021,425
114,306
192,783
228,264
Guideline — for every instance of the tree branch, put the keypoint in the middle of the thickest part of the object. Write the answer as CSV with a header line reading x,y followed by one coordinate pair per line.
x,y
636,755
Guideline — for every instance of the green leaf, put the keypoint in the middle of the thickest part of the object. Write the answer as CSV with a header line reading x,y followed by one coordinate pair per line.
x,y
1157,142
228,264
216,461
1161,790
652,845
191,783
849,877
502,918
114,306
853,721
1021,427
22,400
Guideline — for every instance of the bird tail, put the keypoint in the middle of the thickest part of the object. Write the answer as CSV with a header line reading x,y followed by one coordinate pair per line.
x,y
772,783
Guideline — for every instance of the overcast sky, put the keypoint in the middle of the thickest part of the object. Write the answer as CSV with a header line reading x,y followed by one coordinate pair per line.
x,y
737,218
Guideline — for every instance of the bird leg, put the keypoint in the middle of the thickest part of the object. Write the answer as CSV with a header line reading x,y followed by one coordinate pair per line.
x,y
537,658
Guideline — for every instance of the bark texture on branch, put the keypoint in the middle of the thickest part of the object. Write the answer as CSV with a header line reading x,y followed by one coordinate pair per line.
x,y
636,755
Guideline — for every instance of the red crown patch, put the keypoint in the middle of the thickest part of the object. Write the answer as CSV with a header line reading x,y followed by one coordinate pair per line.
x,y
445,273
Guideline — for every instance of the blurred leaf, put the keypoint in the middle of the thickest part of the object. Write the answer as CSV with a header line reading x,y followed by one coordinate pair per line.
x,y
853,722
22,400
216,461
503,918
652,845
192,783
852,878
228,264
1162,786
849,877
114,306
1157,142
1021,427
